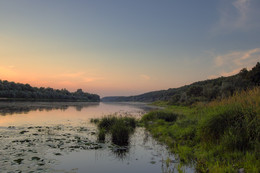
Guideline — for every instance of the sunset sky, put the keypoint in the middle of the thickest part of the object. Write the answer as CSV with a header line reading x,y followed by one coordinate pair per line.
x,y
126,47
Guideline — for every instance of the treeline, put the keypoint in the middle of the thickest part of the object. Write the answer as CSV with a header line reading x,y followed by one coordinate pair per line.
x,y
12,90
203,91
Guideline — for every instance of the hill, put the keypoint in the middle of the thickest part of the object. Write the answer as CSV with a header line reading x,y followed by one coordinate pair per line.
x,y
204,91
12,90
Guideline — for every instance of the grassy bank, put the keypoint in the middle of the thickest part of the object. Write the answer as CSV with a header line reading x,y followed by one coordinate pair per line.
x,y
221,136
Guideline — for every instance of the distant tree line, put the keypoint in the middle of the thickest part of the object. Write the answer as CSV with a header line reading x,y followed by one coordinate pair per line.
x,y
14,90
203,91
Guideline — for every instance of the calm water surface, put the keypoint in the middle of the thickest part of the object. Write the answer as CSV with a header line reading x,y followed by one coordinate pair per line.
x,y
58,137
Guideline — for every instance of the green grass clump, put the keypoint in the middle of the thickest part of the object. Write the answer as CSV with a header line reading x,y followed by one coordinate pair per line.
x,y
101,135
165,115
94,120
120,133
120,128
221,136
107,122
231,125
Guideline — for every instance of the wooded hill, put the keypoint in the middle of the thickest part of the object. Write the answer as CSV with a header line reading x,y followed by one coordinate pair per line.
x,y
202,91
12,90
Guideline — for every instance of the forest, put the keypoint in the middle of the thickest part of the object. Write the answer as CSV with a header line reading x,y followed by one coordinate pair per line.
x,y
12,90
202,91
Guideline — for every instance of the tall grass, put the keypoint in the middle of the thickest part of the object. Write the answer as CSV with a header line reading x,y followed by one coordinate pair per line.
x,y
120,128
222,136
233,122
165,115
120,133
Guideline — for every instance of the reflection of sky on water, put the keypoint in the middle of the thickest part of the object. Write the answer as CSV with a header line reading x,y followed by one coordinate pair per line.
x,y
43,113
143,154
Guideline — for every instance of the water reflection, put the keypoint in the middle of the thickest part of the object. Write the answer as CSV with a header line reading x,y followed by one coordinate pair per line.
x,y
45,113
9,108
58,137
120,153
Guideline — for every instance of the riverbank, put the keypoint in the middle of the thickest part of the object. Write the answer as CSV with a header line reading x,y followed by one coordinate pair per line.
x,y
44,100
221,136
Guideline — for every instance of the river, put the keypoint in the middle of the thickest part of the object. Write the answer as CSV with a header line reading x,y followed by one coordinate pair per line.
x,y
58,137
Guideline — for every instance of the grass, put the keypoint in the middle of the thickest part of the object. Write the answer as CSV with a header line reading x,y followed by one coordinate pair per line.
x,y
101,135
221,136
165,115
120,128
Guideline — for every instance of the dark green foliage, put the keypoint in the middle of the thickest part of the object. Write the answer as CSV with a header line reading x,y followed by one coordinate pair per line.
x,y
167,116
130,122
107,122
120,133
202,91
233,125
13,90
120,128
222,136
94,120
254,75
195,90
102,135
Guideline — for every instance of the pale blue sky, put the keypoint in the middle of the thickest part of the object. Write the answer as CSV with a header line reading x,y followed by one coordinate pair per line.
x,y
121,47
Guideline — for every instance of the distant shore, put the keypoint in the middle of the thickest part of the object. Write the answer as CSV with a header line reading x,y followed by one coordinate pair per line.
x,y
44,100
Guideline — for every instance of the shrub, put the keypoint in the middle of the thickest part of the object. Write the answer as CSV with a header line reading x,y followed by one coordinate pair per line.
x,y
102,135
120,133
94,120
106,122
120,128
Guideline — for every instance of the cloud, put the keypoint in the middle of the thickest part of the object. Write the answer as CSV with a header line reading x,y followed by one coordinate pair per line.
x,y
232,62
238,58
236,15
76,76
145,77
219,61
242,7
233,72
91,79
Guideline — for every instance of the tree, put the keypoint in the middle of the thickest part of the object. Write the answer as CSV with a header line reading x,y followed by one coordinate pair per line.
x,y
195,91
255,74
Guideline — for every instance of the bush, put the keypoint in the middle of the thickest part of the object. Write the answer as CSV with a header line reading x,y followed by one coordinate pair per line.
x,y
101,135
107,122
120,133
120,128
94,120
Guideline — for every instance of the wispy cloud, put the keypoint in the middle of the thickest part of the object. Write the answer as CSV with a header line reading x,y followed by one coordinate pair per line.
x,y
91,79
238,58
77,76
236,15
232,62
145,77
242,7
230,73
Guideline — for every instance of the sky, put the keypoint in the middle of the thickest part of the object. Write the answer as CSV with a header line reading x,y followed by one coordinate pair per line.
x,y
126,47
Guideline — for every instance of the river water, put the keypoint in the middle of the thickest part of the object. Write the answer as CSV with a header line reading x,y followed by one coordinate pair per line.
x,y
58,137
